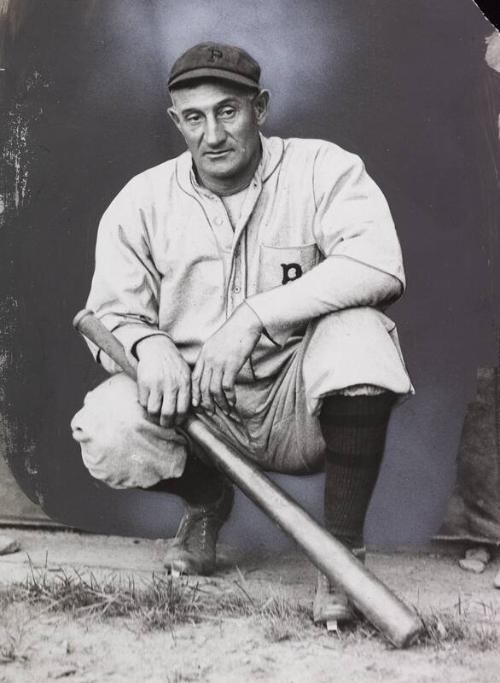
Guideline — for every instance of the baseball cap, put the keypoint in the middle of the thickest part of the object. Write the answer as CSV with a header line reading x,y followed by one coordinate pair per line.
x,y
216,60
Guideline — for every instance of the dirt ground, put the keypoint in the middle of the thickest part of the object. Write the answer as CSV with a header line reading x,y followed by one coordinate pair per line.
x,y
40,643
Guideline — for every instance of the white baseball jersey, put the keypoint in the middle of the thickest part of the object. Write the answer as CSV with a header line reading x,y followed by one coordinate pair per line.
x,y
169,261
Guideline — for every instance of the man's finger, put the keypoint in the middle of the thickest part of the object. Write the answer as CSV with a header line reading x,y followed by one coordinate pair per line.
x,y
183,403
168,408
143,394
217,391
154,402
228,382
195,383
206,397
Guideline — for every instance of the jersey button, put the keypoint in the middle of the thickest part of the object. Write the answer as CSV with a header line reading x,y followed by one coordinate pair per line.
x,y
218,220
236,289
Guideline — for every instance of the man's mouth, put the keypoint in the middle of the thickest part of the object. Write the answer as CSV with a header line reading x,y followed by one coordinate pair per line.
x,y
217,154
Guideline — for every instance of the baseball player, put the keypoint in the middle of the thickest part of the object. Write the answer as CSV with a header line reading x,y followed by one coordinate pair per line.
x,y
247,278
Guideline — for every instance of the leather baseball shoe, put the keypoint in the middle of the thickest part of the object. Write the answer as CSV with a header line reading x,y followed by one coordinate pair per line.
x,y
331,604
193,550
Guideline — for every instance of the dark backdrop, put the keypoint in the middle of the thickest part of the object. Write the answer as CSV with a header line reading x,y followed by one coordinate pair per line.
x,y
403,84
492,10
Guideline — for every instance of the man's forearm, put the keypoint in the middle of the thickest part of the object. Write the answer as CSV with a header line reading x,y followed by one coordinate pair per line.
x,y
336,283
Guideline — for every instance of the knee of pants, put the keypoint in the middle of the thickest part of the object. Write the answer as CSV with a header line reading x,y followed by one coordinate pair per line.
x,y
119,445
355,346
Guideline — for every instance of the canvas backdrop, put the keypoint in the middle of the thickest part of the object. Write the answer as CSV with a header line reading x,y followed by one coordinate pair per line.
x,y
403,84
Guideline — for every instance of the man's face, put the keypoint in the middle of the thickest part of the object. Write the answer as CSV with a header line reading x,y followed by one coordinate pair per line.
x,y
220,124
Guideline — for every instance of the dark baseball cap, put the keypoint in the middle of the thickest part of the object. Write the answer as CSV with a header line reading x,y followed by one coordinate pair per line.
x,y
215,60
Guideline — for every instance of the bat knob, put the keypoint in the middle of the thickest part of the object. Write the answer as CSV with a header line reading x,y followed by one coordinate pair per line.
x,y
80,316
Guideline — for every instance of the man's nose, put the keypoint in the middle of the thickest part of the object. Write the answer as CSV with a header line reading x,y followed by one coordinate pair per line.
x,y
214,132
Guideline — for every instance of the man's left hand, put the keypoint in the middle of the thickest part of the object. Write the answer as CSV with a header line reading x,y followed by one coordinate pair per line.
x,y
221,358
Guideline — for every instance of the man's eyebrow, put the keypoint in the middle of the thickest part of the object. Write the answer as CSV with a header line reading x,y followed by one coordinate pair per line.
x,y
228,100
189,110
232,99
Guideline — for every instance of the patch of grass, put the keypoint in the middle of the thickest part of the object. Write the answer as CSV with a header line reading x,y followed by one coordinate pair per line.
x,y
159,604
283,620
163,602
8,596
443,629
234,603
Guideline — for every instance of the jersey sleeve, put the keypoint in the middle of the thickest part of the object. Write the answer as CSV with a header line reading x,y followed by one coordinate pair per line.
x,y
355,233
125,286
353,218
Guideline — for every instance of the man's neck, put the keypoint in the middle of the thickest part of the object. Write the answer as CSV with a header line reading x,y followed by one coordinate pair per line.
x,y
228,186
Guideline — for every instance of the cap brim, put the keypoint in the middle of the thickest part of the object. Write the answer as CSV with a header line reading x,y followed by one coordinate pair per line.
x,y
220,74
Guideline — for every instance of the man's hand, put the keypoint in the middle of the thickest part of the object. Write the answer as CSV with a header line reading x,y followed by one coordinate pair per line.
x,y
163,380
222,357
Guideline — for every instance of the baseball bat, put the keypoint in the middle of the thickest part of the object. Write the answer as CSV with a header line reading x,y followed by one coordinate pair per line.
x,y
379,605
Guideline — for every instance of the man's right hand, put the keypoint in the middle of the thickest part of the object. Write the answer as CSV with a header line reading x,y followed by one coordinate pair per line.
x,y
163,380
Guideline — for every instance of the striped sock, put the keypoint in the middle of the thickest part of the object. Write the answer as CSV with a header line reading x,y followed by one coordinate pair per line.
x,y
354,429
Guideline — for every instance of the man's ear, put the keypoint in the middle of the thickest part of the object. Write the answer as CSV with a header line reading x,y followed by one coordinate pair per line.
x,y
174,116
261,106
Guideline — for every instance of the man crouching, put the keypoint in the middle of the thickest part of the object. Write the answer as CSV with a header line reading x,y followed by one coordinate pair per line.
x,y
247,278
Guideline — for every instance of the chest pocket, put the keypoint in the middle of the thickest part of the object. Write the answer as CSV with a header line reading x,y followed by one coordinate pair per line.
x,y
280,265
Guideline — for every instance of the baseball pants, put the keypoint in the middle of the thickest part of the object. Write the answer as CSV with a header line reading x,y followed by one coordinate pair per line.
x,y
275,422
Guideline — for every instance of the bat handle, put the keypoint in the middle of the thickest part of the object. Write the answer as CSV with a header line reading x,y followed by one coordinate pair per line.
x,y
87,324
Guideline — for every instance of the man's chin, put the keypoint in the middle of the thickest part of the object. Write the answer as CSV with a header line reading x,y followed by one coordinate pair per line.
x,y
220,170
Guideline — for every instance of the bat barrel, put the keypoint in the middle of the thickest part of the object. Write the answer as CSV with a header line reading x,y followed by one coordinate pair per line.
x,y
379,605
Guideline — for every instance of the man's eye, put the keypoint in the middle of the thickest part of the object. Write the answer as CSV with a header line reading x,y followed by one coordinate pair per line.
x,y
193,118
227,112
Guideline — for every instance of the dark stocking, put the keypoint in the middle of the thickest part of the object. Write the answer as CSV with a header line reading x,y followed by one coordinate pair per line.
x,y
354,429
200,484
